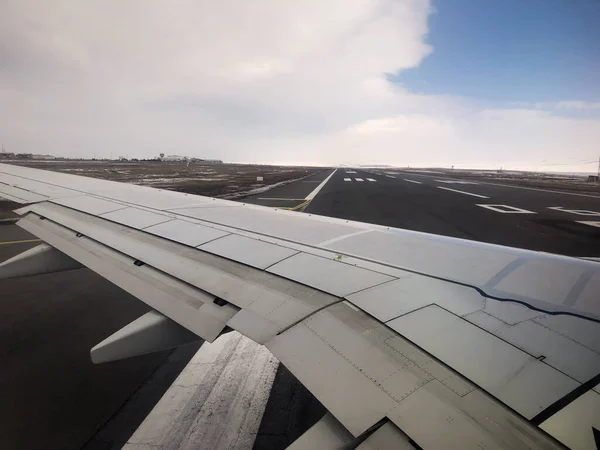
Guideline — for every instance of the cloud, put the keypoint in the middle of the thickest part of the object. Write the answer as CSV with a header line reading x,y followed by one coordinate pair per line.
x,y
578,105
264,81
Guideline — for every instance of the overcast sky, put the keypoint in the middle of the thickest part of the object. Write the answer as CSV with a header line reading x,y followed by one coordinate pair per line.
x,y
399,82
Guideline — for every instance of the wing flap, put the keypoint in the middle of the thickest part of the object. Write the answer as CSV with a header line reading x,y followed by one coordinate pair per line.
x,y
275,303
518,379
370,381
191,308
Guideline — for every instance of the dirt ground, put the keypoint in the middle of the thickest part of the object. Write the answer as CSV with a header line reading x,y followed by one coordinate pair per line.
x,y
213,180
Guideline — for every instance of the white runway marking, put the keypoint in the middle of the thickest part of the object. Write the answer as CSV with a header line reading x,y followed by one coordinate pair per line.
x,y
507,209
359,179
579,212
350,171
487,183
455,182
390,176
371,179
462,192
314,193
591,223
347,179
413,181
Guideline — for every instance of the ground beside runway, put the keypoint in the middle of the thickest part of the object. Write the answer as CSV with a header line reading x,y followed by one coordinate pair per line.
x,y
55,393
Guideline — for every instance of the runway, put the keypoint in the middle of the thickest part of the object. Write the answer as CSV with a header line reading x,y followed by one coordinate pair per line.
x,y
515,216
54,394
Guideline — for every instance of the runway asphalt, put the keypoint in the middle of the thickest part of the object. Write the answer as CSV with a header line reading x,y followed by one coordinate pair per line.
x,y
54,396
547,221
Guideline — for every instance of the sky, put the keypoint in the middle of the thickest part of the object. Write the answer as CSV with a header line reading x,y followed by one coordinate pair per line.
x,y
479,84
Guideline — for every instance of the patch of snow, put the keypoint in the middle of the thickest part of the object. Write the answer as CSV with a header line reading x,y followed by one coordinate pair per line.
x,y
259,190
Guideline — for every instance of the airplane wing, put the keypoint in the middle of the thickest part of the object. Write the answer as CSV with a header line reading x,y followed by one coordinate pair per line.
x,y
410,340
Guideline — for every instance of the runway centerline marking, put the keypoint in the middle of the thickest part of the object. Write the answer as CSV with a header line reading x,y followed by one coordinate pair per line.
x,y
462,192
359,179
579,212
24,241
413,181
507,209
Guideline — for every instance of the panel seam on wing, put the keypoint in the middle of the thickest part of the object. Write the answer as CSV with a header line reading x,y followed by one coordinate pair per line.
x,y
420,384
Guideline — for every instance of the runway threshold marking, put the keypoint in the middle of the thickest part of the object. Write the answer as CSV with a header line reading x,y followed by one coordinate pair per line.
x,y
506,209
371,179
347,179
359,179
24,241
390,176
462,192
413,181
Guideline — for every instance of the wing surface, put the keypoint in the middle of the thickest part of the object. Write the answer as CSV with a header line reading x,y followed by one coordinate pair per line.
x,y
442,341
